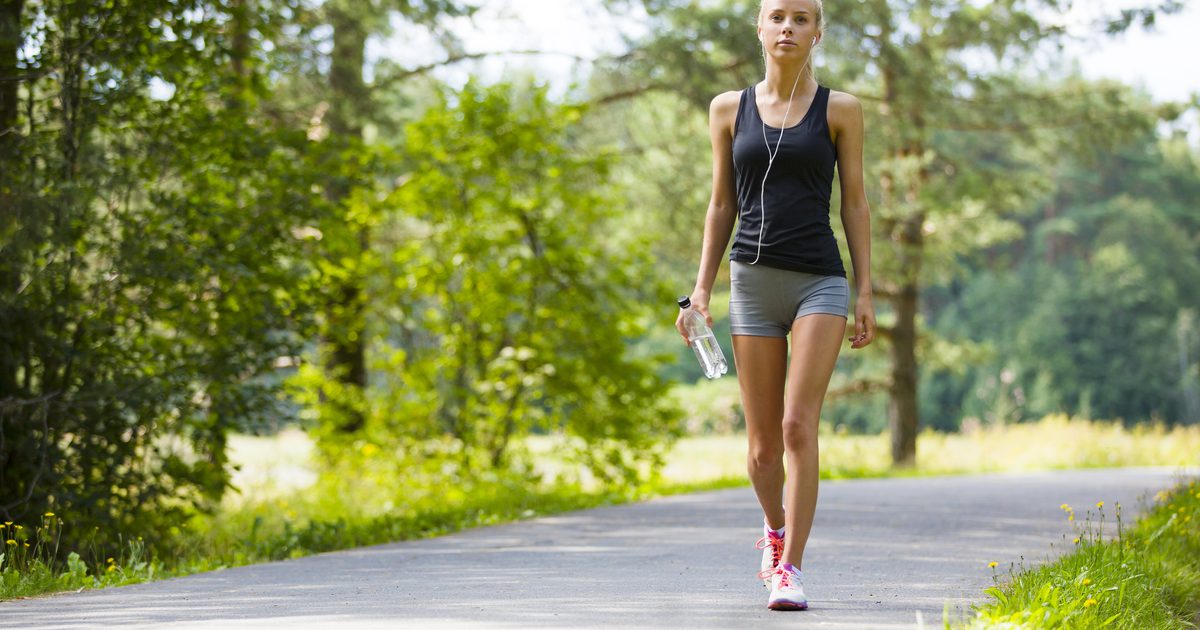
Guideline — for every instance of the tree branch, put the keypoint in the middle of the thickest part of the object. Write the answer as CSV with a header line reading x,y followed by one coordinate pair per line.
x,y
862,386
459,57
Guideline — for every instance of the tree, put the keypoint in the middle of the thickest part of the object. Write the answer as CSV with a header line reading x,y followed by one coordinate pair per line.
x,y
146,254
516,295
1097,319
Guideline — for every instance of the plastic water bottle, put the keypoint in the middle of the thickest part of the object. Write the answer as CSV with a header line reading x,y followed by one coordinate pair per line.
x,y
703,341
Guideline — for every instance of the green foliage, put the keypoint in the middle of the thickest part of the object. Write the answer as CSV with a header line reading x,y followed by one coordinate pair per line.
x,y
514,304
147,268
1098,318
1147,576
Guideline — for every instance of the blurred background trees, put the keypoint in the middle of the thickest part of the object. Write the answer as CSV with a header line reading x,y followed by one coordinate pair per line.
x,y
233,216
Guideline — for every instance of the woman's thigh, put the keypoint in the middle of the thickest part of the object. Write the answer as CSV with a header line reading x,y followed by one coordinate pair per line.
x,y
761,370
816,342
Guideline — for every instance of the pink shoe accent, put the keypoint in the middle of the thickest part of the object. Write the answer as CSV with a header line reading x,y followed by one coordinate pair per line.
x,y
776,544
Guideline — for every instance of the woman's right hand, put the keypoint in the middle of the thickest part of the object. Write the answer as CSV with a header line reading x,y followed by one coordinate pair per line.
x,y
700,305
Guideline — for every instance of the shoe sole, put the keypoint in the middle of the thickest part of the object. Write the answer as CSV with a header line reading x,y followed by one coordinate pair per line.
x,y
783,604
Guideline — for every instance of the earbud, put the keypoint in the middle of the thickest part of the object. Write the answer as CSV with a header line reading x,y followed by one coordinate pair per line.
x,y
814,41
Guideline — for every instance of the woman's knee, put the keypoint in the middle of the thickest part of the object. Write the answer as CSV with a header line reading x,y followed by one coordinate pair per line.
x,y
765,455
800,430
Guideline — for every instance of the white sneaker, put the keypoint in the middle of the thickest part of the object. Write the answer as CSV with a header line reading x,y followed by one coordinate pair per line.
x,y
772,548
787,591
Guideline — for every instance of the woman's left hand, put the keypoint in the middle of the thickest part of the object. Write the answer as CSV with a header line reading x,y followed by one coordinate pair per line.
x,y
864,322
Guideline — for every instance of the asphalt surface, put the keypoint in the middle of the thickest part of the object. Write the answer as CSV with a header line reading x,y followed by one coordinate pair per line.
x,y
889,553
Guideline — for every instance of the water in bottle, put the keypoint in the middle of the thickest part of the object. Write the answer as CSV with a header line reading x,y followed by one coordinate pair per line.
x,y
703,341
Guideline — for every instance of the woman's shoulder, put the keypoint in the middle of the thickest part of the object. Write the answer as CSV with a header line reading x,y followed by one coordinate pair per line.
x,y
722,112
843,109
843,101
725,102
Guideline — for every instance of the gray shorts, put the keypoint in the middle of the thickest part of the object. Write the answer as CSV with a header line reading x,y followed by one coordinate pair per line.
x,y
764,301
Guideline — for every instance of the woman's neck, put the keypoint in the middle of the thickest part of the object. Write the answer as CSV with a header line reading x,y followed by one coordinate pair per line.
x,y
781,79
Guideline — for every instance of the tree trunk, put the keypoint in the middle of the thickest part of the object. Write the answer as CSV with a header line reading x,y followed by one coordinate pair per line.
x,y
345,320
10,276
903,415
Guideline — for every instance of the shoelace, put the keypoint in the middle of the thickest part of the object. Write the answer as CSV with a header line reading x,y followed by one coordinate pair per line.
x,y
785,580
776,545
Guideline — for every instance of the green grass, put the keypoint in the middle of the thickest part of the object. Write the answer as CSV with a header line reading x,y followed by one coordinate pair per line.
x,y
1147,577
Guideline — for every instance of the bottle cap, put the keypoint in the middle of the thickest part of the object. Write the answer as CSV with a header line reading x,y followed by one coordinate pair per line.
x,y
684,301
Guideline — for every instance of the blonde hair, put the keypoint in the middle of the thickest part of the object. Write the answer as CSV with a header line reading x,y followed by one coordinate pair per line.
x,y
819,4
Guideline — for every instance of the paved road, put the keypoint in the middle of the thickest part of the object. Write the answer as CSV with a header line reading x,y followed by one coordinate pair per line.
x,y
883,554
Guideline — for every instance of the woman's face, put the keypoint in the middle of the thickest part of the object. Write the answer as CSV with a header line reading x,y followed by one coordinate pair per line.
x,y
787,27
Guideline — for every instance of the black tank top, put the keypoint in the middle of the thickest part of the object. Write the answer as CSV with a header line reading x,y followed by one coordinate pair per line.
x,y
796,235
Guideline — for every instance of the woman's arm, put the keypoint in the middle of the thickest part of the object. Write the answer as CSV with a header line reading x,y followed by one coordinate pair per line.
x,y
722,205
846,122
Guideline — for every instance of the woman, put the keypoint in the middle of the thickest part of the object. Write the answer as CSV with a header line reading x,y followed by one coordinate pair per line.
x,y
775,146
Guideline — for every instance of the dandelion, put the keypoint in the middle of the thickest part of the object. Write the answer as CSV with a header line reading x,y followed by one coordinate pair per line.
x,y
110,561
11,541
26,544
1100,505
1090,602
8,523
1087,581
1076,541
992,564
49,514
1071,516
1064,507
111,568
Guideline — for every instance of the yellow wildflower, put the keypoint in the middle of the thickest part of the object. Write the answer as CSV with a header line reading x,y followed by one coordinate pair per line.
x,y
992,565
1076,541
1087,581
1064,507
26,544
7,523
11,541
1071,517
1100,505
112,567
49,513
110,561
1090,602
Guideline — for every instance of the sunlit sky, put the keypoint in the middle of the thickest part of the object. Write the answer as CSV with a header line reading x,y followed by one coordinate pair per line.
x,y
1156,60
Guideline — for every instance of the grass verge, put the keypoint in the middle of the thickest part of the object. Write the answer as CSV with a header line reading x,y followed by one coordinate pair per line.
x,y
1147,577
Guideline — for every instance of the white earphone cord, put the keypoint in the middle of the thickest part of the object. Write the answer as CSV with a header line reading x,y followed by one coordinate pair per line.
x,y
762,193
